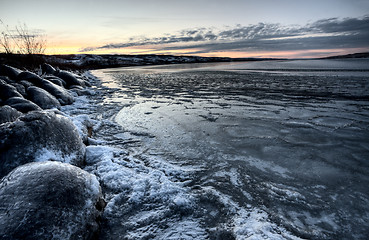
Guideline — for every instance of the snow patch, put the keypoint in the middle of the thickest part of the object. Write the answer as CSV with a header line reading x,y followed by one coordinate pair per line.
x,y
255,225
45,154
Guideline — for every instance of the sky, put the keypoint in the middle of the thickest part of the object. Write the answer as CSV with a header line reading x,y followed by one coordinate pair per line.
x,y
227,28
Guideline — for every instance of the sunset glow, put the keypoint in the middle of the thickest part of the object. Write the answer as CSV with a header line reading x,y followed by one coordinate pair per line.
x,y
207,28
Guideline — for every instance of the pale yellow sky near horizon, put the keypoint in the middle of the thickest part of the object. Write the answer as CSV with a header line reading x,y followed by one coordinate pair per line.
x,y
206,28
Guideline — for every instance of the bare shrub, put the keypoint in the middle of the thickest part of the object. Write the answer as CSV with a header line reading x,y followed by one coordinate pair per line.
x,y
21,40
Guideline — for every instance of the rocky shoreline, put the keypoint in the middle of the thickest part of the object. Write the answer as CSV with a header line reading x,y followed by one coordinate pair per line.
x,y
44,192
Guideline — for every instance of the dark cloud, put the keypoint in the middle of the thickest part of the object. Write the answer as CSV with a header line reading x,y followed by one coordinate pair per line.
x,y
323,34
335,25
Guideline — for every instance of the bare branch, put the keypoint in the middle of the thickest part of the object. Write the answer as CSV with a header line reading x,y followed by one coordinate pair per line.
x,y
22,39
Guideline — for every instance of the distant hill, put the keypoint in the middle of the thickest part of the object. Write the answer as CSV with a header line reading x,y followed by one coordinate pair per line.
x,y
354,55
90,61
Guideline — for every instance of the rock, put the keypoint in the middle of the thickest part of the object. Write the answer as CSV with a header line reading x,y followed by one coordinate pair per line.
x,y
58,81
21,104
87,83
77,87
8,71
42,98
39,136
49,200
25,83
8,114
79,90
69,78
47,68
30,77
6,79
60,93
8,91
20,88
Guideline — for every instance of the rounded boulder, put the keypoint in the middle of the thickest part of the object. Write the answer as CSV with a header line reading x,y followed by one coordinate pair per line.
x,y
30,77
8,114
9,71
47,68
21,104
8,91
39,136
20,88
49,200
42,98
58,81
60,93
69,78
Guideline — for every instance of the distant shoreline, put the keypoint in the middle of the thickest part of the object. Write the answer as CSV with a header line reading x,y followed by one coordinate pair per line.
x,y
77,62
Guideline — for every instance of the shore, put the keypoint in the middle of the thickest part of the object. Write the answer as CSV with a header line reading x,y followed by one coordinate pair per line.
x,y
43,154
76,158
162,142
248,144
82,62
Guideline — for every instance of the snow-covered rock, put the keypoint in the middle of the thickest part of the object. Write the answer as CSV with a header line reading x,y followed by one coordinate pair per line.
x,y
49,200
30,77
42,98
8,114
8,71
8,91
47,68
39,136
21,104
69,78
58,92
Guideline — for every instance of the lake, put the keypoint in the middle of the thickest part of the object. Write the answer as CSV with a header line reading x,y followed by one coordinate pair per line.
x,y
249,150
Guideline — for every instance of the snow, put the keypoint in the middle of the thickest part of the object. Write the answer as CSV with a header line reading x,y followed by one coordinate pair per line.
x,y
182,167
254,225
46,154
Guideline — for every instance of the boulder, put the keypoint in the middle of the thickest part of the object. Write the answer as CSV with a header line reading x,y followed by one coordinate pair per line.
x,y
8,114
8,71
30,77
42,98
47,69
25,83
79,90
6,79
87,83
58,81
21,104
60,93
39,136
69,78
7,91
20,88
49,200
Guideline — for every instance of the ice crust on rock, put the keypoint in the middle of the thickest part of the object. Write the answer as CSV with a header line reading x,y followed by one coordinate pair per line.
x,y
42,98
49,200
8,114
39,135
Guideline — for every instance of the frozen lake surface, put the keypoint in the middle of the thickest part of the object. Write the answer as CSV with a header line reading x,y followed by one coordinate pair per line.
x,y
251,150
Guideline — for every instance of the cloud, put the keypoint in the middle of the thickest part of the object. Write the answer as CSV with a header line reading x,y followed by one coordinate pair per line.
x,y
335,25
323,34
